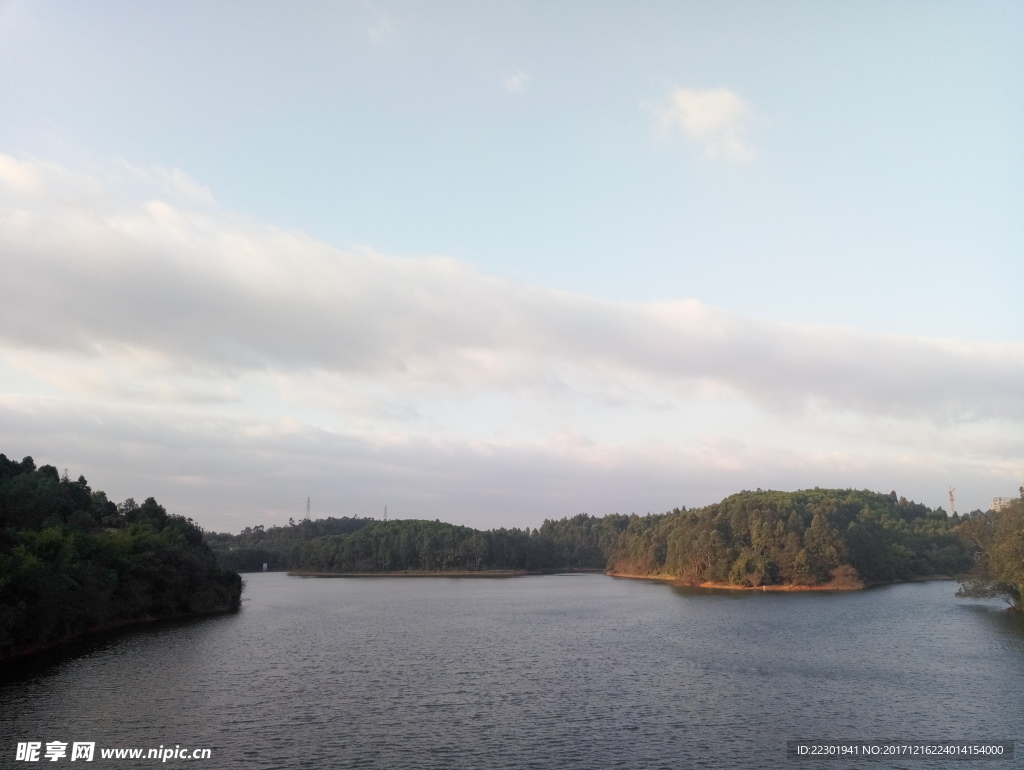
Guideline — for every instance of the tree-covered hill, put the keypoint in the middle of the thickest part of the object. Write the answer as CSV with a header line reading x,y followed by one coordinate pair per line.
x,y
253,547
369,545
816,537
579,542
71,561
807,538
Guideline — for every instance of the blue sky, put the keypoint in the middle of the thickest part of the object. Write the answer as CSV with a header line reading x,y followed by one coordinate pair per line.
x,y
495,263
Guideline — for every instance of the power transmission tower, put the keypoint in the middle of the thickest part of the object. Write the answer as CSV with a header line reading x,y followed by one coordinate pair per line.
x,y
952,501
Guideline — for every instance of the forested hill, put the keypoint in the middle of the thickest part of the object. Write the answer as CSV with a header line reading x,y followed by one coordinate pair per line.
x,y
808,538
812,538
577,543
72,561
368,545
253,547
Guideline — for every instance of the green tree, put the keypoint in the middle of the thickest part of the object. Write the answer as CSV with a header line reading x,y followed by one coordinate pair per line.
x,y
997,538
71,561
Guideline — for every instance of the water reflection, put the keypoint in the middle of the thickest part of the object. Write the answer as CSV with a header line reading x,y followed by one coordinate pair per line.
x,y
111,642
1006,624
545,672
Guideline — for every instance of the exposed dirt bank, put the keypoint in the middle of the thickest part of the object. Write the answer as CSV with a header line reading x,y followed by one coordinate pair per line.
x,y
846,586
730,587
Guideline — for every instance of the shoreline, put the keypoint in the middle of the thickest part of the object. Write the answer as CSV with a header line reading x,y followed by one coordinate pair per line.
x,y
786,588
411,573
728,586
39,648
661,578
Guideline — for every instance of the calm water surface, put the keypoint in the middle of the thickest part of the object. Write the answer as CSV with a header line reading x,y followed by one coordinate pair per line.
x,y
573,671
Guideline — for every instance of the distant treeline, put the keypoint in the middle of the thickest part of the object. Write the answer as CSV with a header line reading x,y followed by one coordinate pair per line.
x,y
253,547
813,537
369,545
72,561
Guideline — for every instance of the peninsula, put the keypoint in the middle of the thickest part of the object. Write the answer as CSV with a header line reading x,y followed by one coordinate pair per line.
x,y
74,563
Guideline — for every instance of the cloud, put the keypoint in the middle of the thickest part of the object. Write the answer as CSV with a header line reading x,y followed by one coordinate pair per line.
x,y
161,345
183,292
231,471
381,30
516,83
715,118
173,182
21,178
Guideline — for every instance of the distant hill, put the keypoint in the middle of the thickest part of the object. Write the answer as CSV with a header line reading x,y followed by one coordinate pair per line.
x,y
817,537
808,538
72,562
253,547
369,545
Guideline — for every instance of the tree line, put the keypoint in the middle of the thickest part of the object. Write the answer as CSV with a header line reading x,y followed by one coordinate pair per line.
x,y
820,537
806,538
370,545
842,538
72,561
253,547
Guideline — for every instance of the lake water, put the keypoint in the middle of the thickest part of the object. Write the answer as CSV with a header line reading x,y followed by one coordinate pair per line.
x,y
565,671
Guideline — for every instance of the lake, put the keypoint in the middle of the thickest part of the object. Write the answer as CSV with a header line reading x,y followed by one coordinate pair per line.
x,y
560,671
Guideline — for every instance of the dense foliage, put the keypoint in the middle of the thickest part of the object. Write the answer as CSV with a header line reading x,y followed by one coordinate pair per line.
x,y
812,537
842,538
997,540
72,561
369,545
253,547
579,542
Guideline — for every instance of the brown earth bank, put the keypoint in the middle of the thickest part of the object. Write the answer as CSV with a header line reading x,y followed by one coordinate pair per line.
x,y
844,586
484,573
730,587
29,650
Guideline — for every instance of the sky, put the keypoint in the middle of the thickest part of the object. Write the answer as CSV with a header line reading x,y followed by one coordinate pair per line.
x,y
493,263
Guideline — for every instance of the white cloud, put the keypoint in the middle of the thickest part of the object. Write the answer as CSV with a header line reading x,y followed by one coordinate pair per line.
x,y
173,182
517,83
381,30
230,471
137,326
208,294
715,118
21,177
